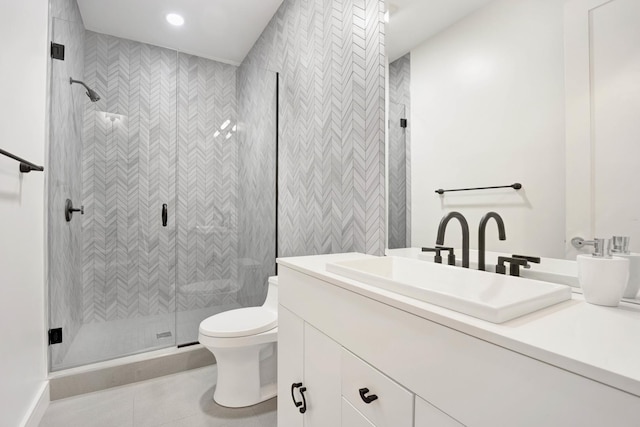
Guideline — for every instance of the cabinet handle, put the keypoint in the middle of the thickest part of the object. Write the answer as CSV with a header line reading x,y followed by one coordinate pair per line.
x,y
304,402
367,399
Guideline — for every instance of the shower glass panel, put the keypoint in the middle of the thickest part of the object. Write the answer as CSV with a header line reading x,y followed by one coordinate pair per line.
x,y
226,190
165,132
399,219
64,181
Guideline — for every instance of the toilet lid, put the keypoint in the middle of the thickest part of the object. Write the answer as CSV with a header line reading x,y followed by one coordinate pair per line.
x,y
241,322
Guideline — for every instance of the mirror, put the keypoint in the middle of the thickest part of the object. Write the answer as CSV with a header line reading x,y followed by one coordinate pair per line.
x,y
539,92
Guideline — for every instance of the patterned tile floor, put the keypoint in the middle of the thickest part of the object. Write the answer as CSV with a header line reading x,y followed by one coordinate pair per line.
x,y
107,340
180,400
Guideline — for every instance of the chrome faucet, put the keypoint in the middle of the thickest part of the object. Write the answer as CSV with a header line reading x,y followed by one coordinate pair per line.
x,y
465,234
481,236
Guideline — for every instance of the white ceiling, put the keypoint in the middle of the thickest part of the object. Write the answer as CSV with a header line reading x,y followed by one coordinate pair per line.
x,y
414,21
222,30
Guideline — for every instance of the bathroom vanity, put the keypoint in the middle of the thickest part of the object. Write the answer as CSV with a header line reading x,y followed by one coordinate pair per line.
x,y
352,354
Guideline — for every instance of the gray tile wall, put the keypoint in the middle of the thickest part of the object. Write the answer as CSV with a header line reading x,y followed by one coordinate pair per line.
x,y
330,54
257,179
168,109
129,164
206,215
65,9
64,175
399,154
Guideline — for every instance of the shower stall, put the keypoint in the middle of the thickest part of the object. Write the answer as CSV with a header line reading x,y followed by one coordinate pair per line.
x,y
170,160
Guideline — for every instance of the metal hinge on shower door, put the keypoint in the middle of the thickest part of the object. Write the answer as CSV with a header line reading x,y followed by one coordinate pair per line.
x,y
57,51
55,336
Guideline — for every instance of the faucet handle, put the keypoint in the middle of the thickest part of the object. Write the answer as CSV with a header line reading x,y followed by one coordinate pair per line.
x,y
533,259
514,265
451,258
438,257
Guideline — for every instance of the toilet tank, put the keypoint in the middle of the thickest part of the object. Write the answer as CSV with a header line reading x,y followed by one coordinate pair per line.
x,y
272,294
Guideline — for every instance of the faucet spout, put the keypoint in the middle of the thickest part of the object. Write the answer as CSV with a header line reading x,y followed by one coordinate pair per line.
x,y
481,236
465,234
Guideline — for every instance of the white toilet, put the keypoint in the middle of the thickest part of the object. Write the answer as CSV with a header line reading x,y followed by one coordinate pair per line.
x,y
244,342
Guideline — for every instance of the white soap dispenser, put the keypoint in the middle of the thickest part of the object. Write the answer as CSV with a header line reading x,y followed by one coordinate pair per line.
x,y
603,278
621,249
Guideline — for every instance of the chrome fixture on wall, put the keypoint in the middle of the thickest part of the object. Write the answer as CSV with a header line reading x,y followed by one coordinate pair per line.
x,y
597,243
93,96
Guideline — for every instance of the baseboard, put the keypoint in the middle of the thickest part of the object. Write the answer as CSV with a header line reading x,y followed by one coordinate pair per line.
x,y
127,370
38,407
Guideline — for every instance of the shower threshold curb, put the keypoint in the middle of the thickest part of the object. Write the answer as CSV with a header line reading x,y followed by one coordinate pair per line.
x,y
127,370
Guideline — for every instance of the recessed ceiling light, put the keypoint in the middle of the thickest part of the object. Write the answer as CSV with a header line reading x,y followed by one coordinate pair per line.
x,y
175,19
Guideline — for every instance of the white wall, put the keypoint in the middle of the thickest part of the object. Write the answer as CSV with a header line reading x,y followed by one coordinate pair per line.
x,y
23,26
487,99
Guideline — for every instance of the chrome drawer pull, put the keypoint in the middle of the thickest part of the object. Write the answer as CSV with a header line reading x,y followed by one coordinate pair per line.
x,y
367,399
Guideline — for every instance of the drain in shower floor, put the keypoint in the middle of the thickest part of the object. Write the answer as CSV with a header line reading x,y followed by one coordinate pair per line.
x,y
163,335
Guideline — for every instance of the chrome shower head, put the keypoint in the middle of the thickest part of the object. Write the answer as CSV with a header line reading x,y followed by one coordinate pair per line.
x,y
93,96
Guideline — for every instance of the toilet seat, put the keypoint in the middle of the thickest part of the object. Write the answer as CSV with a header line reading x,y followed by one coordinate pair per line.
x,y
241,322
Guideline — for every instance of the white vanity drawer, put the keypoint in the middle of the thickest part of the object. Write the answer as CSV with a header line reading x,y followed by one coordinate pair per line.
x,y
351,417
428,415
394,404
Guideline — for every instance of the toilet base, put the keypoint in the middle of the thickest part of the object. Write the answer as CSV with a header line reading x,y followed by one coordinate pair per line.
x,y
246,375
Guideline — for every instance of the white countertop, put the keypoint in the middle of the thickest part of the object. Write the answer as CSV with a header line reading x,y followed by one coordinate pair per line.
x,y
600,343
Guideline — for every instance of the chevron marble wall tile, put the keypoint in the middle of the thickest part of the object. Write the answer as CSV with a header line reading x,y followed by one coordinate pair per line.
x,y
157,133
399,232
64,176
207,179
330,55
257,181
129,171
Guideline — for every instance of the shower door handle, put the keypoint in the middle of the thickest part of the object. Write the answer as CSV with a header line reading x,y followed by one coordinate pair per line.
x,y
164,214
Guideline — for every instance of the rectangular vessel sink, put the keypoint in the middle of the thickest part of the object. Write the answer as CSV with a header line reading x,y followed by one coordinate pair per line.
x,y
554,270
488,296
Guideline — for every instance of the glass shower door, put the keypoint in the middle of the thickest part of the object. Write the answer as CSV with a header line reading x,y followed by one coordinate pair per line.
x,y
164,133
123,300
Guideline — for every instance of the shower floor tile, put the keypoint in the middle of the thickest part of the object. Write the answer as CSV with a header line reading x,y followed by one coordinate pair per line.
x,y
96,342
184,399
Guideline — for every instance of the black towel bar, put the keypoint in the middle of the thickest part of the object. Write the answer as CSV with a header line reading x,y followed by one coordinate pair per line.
x,y
25,165
515,186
